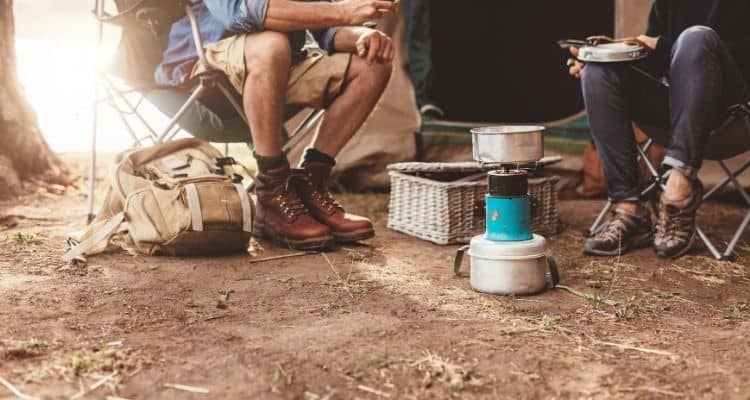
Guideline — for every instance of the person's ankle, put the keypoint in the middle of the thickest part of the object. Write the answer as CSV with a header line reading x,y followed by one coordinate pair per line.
x,y
631,207
679,187
267,163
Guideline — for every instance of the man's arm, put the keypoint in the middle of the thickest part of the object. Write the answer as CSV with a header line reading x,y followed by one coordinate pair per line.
x,y
657,28
290,15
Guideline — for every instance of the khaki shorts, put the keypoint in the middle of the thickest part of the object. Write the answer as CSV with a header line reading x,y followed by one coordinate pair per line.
x,y
315,81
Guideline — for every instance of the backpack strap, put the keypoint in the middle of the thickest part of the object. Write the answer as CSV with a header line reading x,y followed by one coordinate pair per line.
x,y
194,204
92,238
247,210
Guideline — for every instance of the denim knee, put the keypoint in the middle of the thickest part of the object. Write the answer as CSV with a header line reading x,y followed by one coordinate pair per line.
x,y
595,77
694,43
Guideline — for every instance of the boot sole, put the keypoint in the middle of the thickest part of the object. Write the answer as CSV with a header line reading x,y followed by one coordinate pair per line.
x,y
680,253
641,241
295,244
356,236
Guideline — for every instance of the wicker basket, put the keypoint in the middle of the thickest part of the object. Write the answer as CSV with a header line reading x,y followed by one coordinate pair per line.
x,y
441,203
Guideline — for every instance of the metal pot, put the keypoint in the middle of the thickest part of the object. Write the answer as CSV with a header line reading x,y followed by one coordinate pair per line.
x,y
508,144
506,268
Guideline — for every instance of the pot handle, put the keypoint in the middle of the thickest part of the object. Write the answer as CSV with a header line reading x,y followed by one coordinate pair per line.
x,y
552,265
458,260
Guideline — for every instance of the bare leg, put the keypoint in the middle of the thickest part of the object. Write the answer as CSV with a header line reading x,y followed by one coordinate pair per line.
x,y
363,86
268,59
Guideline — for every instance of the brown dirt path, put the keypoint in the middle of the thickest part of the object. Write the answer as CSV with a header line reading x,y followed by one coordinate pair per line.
x,y
383,320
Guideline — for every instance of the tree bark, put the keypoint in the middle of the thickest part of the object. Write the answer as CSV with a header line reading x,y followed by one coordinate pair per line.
x,y
24,154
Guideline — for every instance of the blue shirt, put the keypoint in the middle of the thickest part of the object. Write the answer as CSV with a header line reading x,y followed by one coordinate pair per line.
x,y
219,19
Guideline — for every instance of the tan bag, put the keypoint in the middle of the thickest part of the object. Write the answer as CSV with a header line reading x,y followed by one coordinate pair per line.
x,y
177,198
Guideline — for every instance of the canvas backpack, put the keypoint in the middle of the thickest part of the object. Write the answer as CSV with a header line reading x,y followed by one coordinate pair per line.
x,y
178,198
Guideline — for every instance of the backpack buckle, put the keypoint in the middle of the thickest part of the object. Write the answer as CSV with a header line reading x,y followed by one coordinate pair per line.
x,y
224,161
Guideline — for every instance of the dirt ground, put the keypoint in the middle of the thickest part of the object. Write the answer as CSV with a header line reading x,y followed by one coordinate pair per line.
x,y
385,319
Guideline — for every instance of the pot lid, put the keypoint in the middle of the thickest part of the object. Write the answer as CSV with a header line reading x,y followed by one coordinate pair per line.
x,y
482,247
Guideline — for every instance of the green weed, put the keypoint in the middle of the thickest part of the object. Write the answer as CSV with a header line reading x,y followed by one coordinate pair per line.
x,y
22,239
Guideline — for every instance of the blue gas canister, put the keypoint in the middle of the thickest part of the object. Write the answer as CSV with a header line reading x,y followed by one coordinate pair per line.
x,y
508,208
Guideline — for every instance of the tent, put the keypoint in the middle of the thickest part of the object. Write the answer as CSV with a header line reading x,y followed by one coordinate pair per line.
x,y
495,62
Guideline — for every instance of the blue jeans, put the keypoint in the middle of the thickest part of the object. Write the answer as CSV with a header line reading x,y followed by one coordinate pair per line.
x,y
704,80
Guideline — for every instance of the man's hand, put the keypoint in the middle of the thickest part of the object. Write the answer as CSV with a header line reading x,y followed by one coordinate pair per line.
x,y
374,45
645,41
357,12
576,67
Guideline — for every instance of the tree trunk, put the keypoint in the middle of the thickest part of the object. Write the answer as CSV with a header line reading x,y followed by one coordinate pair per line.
x,y
24,154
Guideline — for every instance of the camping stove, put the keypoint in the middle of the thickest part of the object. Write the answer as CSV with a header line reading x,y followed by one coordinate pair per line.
x,y
508,258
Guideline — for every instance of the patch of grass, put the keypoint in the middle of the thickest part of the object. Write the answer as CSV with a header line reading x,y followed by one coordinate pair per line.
x,y
738,309
548,322
456,376
354,256
595,299
330,306
23,239
508,303
80,364
628,309
222,302
192,302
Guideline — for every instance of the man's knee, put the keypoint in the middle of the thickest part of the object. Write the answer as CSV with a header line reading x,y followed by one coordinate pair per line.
x,y
375,75
694,42
267,50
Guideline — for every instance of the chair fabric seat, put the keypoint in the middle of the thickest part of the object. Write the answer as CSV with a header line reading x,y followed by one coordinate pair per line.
x,y
731,140
200,121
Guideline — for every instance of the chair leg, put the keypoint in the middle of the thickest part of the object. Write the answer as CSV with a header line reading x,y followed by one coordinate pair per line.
x,y
136,140
99,9
307,126
731,178
133,109
736,238
92,162
599,220
165,134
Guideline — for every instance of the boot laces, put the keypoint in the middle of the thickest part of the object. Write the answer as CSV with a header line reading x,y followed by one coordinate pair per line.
x,y
615,229
673,224
289,201
322,196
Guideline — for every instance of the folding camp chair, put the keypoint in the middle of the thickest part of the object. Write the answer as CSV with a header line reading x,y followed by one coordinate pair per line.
x,y
730,139
208,107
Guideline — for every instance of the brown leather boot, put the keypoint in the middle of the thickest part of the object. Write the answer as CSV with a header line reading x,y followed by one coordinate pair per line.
x,y
346,228
281,216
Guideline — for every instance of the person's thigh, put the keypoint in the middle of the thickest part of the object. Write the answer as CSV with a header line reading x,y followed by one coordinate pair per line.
x,y
318,79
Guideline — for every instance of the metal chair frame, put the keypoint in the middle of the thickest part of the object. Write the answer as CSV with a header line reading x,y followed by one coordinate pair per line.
x,y
658,181
106,90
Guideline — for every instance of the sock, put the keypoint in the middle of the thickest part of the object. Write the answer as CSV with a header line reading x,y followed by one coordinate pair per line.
x,y
266,163
679,186
314,155
636,208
